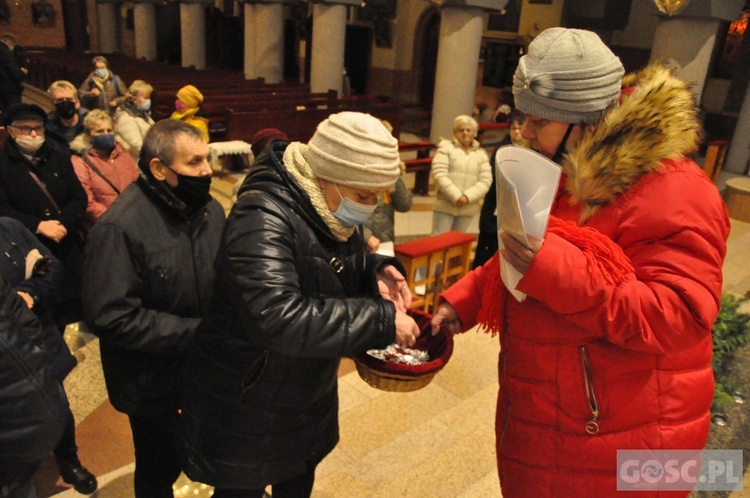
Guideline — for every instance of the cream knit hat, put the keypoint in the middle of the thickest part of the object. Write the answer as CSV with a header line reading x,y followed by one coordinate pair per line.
x,y
568,75
354,149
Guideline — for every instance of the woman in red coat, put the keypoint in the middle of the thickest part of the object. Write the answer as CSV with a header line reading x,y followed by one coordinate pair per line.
x,y
104,168
611,348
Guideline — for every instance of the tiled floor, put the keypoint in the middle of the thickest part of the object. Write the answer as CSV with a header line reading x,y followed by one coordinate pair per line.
x,y
437,442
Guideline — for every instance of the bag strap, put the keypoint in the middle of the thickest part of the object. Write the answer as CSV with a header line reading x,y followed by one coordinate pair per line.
x,y
44,189
116,82
85,157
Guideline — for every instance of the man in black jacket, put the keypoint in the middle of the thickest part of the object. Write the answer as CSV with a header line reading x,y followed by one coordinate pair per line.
x,y
65,123
11,73
32,402
39,188
147,276
35,275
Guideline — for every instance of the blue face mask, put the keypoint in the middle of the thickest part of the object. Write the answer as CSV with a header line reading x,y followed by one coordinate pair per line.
x,y
104,142
350,213
145,105
101,73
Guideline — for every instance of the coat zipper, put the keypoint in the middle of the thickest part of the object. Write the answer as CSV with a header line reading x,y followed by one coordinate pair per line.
x,y
195,269
592,426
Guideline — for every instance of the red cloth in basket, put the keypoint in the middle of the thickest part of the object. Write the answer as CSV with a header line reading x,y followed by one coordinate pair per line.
x,y
439,347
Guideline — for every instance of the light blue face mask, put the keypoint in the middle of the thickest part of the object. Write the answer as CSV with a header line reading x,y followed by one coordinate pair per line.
x,y
350,213
145,105
101,72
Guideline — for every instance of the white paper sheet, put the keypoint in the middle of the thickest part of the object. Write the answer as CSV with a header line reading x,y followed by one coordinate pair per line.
x,y
386,249
526,186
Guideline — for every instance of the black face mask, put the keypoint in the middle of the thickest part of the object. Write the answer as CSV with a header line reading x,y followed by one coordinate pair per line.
x,y
562,148
66,109
193,190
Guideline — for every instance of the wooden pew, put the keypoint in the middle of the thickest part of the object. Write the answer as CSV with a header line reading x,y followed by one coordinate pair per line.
x,y
714,160
300,125
420,166
446,259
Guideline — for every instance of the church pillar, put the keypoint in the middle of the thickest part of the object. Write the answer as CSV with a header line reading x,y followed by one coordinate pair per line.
x,y
106,14
144,20
457,62
264,41
193,33
328,43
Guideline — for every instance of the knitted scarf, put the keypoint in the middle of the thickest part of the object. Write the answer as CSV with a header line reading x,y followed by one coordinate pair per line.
x,y
605,260
190,112
130,108
101,80
296,165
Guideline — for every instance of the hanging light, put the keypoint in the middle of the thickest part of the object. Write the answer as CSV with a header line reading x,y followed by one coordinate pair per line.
x,y
671,7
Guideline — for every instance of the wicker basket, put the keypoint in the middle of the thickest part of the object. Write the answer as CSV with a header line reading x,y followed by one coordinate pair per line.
x,y
398,377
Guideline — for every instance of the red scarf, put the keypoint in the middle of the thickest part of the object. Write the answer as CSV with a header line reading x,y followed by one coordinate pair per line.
x,y
605,260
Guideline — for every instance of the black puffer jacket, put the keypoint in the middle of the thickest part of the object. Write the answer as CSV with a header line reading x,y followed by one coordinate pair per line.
x,y
22,198
147,278
289,300
32,402
16,245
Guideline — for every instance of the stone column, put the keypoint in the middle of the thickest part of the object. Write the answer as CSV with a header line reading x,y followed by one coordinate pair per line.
x,y
456,73
106,14
193,34
687,41
687,45
264,41
328,41
144,19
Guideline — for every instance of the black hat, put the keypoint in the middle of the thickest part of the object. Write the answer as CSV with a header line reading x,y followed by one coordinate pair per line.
x,y
17,112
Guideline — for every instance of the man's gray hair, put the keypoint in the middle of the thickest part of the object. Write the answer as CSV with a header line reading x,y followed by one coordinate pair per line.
x,y
160,142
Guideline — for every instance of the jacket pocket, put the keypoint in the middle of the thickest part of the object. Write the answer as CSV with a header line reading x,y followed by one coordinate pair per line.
x,y
592,426
253,373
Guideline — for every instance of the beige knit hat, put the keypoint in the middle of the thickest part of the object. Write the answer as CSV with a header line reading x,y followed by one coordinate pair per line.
x,y
568,75
354,149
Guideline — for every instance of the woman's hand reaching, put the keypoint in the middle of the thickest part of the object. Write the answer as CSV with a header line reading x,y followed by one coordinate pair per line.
x,y
392,286
448,317
407,330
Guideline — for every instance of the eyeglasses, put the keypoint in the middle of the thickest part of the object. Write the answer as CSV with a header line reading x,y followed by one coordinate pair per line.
x,y
26,130
66,99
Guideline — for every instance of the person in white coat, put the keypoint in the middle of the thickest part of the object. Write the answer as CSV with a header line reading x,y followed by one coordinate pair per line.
x,y
461,171
133,118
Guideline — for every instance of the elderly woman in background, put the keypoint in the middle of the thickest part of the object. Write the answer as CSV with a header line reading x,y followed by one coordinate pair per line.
x,y
104,169
462,173
102,87
188,108
133,118
296,289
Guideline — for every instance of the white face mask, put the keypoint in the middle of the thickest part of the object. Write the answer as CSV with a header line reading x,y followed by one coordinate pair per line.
x,y
351,213
29,144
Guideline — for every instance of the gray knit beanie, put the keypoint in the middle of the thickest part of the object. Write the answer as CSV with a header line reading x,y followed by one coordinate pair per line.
x,y
568,75
354,149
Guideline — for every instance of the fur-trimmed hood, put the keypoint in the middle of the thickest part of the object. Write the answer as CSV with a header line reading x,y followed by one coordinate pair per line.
x,y
657,119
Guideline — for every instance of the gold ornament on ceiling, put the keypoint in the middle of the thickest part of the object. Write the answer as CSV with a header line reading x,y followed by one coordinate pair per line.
x,y
671,7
